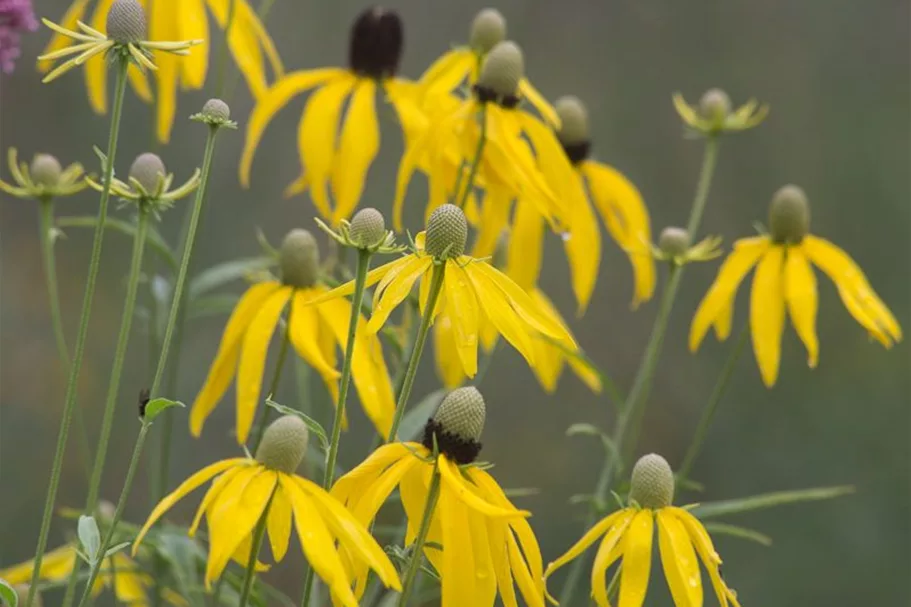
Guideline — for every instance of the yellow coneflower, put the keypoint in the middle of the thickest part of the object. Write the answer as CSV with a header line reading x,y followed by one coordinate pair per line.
x,y
314,331
248,41
628,537
784,279
247,490
120,573
482,544
332,158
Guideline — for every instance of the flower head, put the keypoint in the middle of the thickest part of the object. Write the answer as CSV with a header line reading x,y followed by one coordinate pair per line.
x,y
216,114
715,115
674,246
336,151
478,541
315,332
43,178
15,16
148,184
784,280
366,231
245,489
628,535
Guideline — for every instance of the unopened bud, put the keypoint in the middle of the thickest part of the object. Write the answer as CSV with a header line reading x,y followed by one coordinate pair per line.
x,y
652,482
147,169
45,170
299,259
284,444
216,109
367,228
674,241
715,105
487,29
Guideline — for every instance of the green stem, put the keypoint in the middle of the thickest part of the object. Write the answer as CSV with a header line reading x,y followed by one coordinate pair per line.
x,y
712,406
71,387
631,415
417,551
107,420
118,511
475,162
258,536
436,284
273,385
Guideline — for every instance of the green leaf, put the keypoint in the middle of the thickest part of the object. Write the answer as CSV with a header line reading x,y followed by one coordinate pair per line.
x,y
768,500
213,305
155,406
153,238
8,596
415,420
223,273
312,425
89,537
521,492
585,429
743,533
115,549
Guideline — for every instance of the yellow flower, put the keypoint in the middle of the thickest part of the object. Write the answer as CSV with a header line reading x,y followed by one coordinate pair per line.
x,y
44,178
248,42
482,138
478,541
714,114
334,158
246,490
315,333
472,290
784,279
628,535
119,572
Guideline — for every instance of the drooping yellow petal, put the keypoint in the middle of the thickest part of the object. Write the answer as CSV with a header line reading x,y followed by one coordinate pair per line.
x,y
485,578
706,551
767,313
499,314
96,67
139,82
186,487
211,496
129,585
415,148
457,577
305,330
720,296
252,362
494,220
547,111
678,559
446,355
194,25
352,485
609,551
245,39
373,276
464,491
164,24
58,41
55,565
225,363
802,300
447,73
272,101
398,290
637,559
526,245
359,143
413,489
582,242
278,521
463,307
499,554
530,588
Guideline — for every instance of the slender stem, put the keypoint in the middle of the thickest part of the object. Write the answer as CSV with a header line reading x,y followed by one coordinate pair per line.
x,y
712,406
70,399
475,162
258,536
436,284
417,550
123,338
631,415
363,265
118,511
273,385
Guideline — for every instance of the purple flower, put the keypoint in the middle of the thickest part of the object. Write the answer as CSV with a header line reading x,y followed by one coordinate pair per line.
x,y
15,16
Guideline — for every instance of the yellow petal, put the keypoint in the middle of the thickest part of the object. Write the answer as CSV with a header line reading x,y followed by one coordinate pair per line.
x,y
457,577
373,276
721,294
305,333
55,565
494,219
139,82
413,489
129,586
194,25
359,143
637,559
499,554
447,72
767,313
225,363
278,522
58,41
252,362
463,307
164,25
464,491
398,290
499,314
609,551
96,67
526,245
211,496
531,589
244,41
351,486
186,487
801,297
678,558
446,355
582,243
274,100
547,111
415,147
703,544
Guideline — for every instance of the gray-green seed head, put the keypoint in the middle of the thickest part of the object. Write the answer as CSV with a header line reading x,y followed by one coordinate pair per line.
x,y
487,30
447,232
652,482
216,109
462,413
789,215
503,68
45,170
284,444
146,170
367,228
715,105
299,259
674,241
573,120
126,22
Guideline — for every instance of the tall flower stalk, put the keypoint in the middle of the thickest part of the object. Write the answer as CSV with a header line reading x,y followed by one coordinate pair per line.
x,y
417,551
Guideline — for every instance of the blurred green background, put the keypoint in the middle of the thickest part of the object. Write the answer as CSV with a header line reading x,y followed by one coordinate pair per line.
x,y
836,74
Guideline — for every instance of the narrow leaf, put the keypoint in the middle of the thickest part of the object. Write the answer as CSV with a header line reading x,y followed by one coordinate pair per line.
x,y
213,305
768,500
8,596
153,238
223,273
743,533
115,549
312,425
415,420
89,536
155,406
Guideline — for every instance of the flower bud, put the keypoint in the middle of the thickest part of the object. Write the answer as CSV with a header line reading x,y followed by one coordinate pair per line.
x,y
674,241
503,68
299,259
284,444
45,170
447,232
487,30
652,482
789,215
573,120
126,22
216,109
715,105
146,169
367,228
457,425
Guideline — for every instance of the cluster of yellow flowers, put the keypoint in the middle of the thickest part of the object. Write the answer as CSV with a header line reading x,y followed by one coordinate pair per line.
x,y
504,167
